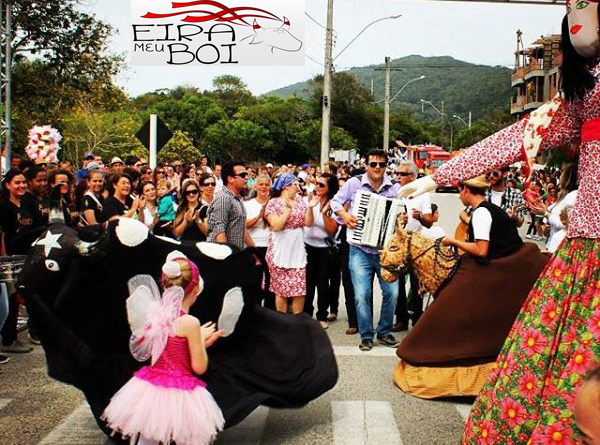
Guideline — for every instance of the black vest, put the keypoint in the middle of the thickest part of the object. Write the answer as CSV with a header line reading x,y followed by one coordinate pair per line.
x,y
504,238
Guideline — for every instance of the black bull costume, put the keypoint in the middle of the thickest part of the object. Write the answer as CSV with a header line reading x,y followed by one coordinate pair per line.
x,y
75,285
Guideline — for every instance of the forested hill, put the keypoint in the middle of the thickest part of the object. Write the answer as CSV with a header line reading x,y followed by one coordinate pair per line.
x,y
462,86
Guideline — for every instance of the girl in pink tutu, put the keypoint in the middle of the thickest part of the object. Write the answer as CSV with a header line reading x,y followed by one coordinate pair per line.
x,y
165,402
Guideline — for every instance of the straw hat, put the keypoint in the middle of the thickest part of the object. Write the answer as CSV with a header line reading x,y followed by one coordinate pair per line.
x,y
480,182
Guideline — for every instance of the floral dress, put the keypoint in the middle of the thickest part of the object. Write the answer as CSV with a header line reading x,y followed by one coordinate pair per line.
x,y
286,282
529,396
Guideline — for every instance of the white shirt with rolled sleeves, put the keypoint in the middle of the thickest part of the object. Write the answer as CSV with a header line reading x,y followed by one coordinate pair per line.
x,y
422,203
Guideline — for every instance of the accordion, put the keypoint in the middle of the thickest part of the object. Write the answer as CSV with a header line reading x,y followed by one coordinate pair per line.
x,y
376,216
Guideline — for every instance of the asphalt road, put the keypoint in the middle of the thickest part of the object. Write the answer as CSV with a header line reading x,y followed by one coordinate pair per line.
x,y
365,408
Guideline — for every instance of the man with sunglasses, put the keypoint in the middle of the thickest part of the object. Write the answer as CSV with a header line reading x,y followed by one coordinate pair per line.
x,y
227,214
363,261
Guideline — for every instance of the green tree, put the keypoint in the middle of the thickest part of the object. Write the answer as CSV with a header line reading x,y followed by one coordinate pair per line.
x,y
231,93
481,129
105,133
309,139
352,108
181,148
237,139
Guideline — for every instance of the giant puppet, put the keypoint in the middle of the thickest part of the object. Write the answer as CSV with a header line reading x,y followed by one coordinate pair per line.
x,y
529,396
75,285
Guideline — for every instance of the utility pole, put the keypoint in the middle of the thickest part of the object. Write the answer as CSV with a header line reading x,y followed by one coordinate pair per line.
x,y
6,78
470,120
327,86
386,108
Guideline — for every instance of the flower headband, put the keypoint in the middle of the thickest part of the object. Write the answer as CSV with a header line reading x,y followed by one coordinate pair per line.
x,y
172,269
284,181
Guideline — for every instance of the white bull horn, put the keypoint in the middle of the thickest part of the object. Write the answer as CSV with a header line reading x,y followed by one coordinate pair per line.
x,y
87,249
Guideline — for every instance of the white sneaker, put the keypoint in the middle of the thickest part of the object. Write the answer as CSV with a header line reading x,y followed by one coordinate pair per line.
x,y
528,236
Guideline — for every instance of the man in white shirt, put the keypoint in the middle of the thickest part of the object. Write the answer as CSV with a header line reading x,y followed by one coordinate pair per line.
x,y
418,216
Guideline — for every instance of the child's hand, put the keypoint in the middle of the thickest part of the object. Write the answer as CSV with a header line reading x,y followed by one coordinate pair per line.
x,y
209,341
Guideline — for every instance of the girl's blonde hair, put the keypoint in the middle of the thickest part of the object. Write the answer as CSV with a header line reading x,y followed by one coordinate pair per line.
x,y
182,280
164,183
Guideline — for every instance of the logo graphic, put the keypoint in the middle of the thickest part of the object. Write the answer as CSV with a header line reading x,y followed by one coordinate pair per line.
x,y
207,32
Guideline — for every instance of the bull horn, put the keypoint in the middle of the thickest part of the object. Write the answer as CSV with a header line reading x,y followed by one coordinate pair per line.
x,y
286,23
255,26
56,210
87,249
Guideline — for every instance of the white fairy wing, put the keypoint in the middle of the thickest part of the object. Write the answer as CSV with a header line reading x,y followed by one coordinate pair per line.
x,y
233,304
142,292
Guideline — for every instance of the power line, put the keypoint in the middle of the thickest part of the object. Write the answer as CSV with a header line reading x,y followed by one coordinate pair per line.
x,y
309,16
313,59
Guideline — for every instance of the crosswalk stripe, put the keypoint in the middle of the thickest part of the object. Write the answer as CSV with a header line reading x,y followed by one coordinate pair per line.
x,y
463,409
4,402
79,428
364,423
247,432
379,351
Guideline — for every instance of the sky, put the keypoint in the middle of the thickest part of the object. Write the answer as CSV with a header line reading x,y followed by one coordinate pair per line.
x,y
482,33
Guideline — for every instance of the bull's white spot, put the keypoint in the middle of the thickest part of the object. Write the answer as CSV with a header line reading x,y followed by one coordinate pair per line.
x,y
214,250
170,240
131,232
233,303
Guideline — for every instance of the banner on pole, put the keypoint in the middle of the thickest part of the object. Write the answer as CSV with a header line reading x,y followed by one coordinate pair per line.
x,y
207,32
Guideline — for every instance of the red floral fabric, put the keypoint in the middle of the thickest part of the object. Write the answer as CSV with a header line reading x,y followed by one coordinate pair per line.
x,y
505,148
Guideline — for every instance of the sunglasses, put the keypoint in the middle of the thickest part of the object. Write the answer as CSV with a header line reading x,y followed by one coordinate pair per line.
x,y
404,173
377,164
242,175
493,175
191,192
209,184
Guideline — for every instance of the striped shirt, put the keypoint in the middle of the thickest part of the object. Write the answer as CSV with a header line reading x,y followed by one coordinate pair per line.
x,y
227,215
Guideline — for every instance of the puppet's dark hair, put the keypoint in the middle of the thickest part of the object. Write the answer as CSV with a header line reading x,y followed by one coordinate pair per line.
x,y
576,78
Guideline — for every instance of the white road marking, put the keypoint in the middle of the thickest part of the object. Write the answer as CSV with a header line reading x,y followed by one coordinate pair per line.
x,y
364,423
463,409
79,428
377,351
4,402
247,432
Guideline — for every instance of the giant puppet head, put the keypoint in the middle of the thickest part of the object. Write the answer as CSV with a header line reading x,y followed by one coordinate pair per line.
x,y
43,144
584,27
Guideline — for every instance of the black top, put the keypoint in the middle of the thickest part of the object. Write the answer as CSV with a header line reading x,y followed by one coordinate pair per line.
x,y
39,207
97,205
15,223
504,238
192,232
114,207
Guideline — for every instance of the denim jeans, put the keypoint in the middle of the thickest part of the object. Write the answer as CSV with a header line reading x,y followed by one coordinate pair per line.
x,y
363,268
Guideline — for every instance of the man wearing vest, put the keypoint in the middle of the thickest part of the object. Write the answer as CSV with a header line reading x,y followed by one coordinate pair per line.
x,y
492,233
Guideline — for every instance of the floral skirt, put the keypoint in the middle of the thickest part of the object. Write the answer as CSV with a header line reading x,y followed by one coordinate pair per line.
x,y
529,396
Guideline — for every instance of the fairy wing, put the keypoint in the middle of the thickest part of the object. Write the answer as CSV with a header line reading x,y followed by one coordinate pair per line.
x,y
142,292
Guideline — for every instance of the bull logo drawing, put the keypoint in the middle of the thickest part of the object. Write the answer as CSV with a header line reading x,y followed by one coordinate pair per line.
x,y
275,38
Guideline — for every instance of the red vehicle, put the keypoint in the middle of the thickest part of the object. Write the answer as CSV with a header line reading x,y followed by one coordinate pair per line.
x,y
435,159
427,157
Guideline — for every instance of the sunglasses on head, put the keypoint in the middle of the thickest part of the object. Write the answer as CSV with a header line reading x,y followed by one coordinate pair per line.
x,y
209,184
403,173
377,164
191,192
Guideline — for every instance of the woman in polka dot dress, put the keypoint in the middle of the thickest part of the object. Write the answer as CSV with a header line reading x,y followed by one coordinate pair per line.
x,y
529,396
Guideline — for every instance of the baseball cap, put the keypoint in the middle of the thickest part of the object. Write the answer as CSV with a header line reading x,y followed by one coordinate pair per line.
x,y
88,156
116,160
269,165
93,166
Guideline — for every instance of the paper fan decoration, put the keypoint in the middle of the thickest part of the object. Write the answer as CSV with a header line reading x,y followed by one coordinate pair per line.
x,y
43,144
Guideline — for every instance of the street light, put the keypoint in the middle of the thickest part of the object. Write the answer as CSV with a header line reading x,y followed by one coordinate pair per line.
x,y
388,101
462,120
443,115
326,108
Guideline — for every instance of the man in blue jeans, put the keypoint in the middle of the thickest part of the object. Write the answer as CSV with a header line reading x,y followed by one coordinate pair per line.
x,y
363,260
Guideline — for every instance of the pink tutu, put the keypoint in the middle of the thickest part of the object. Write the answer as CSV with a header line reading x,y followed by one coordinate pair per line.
x,y
166,402
188,417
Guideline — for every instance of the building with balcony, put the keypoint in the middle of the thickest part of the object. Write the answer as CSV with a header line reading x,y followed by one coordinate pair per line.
x,y
536,74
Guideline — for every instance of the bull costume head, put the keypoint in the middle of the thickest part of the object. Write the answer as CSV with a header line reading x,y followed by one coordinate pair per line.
x,y
75,285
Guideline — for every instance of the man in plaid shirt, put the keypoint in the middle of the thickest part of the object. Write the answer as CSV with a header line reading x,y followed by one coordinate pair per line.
x,y
505,197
